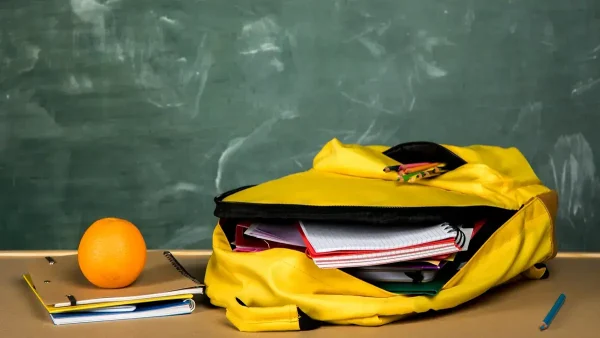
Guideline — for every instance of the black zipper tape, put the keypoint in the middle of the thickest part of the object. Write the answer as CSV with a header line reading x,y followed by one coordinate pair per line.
x,y
354,214
414,152
228,193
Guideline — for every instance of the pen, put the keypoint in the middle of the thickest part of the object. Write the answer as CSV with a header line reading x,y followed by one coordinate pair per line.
x,y
553,311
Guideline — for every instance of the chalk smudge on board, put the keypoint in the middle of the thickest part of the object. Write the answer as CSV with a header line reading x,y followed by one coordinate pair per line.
x,y
257,136
92,12
175,190
582,87
530,118
202,65
374,103
374,47
188,235
263,37
574,177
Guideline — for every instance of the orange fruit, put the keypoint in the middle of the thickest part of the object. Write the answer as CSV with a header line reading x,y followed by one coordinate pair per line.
x,y
112,253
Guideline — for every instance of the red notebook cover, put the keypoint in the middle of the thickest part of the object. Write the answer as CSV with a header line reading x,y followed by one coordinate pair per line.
x,y
245,241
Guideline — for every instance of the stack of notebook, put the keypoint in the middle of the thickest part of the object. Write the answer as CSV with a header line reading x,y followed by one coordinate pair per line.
x,y
165,288
401,259
335,246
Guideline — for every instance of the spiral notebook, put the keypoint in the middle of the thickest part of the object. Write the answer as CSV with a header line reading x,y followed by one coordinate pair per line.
x,y
342,246
60,286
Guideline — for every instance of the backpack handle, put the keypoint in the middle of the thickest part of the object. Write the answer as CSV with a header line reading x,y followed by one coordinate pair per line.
x,y
274,318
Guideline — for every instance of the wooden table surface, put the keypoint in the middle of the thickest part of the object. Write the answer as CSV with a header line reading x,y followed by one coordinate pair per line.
x,y
514,310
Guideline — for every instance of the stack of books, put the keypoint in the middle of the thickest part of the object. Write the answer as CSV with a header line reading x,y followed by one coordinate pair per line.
x,y
165,288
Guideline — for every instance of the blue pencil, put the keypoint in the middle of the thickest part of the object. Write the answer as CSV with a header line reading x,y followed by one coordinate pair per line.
x,y
553,311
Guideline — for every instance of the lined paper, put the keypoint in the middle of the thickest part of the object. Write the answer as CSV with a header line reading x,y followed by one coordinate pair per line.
x,y
325,237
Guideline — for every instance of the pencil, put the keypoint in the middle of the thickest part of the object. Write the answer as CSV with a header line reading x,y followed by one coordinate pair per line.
x,y
553,311
391,168
412,166
419,168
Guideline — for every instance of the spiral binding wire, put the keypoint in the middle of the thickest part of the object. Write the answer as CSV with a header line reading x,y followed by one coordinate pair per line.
x,y
179,267
460,239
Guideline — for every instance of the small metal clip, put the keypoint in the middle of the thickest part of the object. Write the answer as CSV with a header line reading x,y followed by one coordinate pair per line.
x,y
72,300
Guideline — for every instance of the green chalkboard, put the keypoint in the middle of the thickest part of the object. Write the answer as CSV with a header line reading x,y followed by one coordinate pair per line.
x,y
148,109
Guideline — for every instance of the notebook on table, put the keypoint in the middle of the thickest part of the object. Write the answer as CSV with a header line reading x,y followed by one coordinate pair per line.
x,y
142,310
60,286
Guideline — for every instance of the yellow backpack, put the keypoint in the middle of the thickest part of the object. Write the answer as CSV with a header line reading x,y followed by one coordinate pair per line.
x,y
281,289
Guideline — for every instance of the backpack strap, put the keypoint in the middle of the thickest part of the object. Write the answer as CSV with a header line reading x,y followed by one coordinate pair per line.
x,y
274,318
538,271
